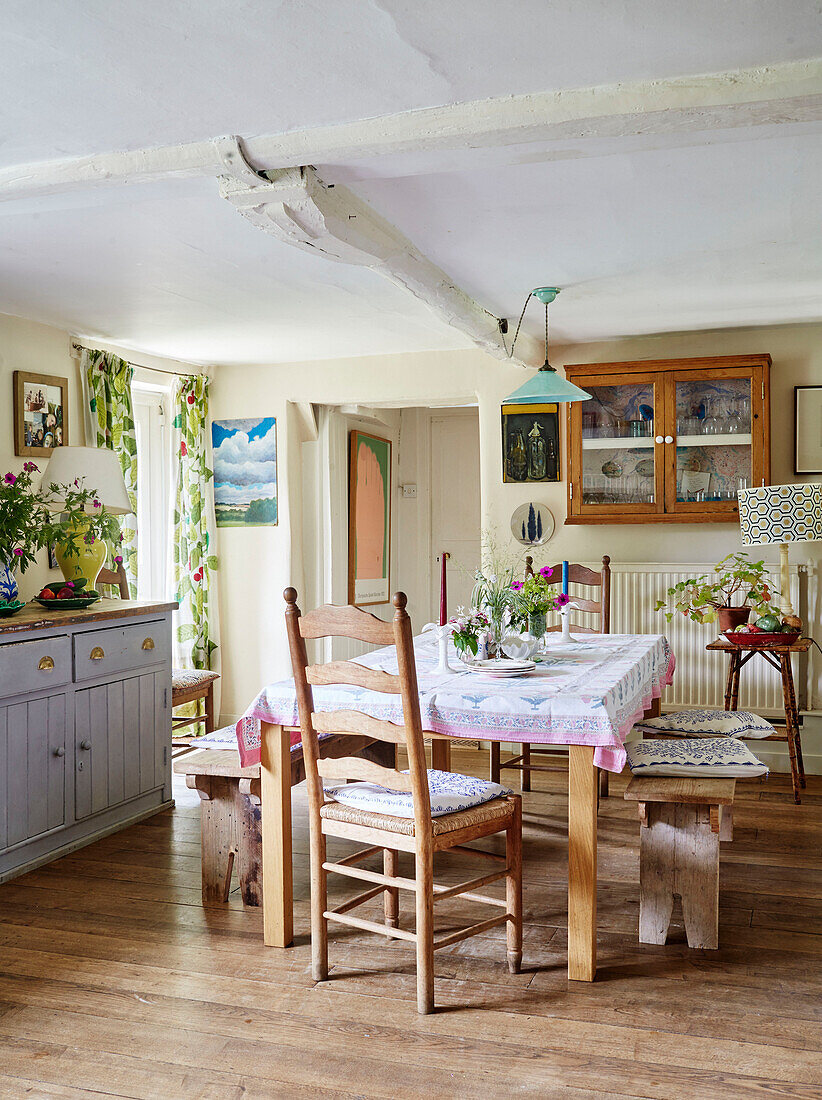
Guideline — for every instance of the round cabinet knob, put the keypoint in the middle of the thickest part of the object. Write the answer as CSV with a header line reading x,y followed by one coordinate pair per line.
x,y
660,439
669,439
85,745
60,751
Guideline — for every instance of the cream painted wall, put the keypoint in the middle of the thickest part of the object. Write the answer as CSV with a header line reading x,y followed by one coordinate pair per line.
x,y
271,557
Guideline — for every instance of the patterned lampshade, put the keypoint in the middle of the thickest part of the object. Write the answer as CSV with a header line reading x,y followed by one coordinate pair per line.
x,y
781,513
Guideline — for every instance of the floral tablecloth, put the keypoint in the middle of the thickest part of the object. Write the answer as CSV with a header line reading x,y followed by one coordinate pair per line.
x,y
589,693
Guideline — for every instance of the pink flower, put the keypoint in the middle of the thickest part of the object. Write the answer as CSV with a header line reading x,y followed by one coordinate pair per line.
x,y
95,503
561,600
30,467
18,551
118,560
10,478
546,572
517,585
69,584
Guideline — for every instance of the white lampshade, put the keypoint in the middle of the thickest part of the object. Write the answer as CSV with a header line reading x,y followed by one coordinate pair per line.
x,y
780,513
95,468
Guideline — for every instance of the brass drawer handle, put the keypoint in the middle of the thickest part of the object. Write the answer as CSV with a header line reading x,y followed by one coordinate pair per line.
x,y
97,653
148,643
46,663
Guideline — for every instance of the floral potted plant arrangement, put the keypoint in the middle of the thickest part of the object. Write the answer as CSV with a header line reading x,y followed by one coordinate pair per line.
x,y
470,629
70,517
740,588
536,596
21,517
494,595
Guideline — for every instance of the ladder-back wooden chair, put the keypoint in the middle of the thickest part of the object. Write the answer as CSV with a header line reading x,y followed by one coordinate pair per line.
x,y
117,577
421,835
577,574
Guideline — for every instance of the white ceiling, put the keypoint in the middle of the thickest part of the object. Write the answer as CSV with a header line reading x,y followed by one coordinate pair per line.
x,y
645,232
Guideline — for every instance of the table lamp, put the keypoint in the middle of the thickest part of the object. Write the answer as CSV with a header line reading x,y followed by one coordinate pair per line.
x,y
783,514
95,468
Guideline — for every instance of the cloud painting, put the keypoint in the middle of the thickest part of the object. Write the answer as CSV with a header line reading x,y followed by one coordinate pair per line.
x,y
245,472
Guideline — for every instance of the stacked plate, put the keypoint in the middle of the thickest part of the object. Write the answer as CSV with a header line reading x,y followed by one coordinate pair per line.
x,y
503,667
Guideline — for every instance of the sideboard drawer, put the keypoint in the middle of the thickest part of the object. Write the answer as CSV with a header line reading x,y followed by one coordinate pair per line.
x,y
30,666
121,649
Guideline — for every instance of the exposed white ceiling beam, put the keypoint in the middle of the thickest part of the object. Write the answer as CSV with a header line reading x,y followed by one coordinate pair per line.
x,y
790,92
329,221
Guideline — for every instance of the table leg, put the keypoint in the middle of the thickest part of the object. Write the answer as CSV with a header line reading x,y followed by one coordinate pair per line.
x,y
441,754
275,794
582,863
792,726
729,686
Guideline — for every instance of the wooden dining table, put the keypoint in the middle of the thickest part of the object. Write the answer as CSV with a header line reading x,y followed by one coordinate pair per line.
x,y
585,697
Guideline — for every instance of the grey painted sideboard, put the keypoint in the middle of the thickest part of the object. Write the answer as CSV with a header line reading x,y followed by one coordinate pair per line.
x,y
85,726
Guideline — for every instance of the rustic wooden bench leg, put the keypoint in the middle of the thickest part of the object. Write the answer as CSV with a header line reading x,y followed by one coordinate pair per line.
x,y
697,875
657,846
249,841
726,823
218,834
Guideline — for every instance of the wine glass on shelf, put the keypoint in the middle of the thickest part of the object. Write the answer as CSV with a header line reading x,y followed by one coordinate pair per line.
x,y
711,424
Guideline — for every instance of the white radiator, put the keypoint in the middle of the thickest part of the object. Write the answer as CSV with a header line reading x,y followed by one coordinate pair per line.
x,y
699,680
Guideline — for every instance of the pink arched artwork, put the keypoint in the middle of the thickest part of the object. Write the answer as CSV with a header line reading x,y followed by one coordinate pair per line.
x,y
369,532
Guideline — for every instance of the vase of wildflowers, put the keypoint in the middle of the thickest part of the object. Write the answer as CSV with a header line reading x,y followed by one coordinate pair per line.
x,y
470,629
21,519
536,596
494,595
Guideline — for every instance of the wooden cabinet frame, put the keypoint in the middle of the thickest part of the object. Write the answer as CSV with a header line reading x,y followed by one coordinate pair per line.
x,y
663,375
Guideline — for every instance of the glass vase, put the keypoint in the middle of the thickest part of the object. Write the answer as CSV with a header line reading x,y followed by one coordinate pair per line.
x,y
537,624
496,632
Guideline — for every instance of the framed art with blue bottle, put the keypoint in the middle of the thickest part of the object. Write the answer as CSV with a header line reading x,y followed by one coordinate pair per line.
x,y
530,443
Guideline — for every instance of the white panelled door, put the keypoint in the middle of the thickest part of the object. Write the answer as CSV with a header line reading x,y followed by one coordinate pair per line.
x,y
455,504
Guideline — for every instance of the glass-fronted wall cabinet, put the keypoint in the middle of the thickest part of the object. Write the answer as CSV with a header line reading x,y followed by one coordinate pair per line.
x,y
667,440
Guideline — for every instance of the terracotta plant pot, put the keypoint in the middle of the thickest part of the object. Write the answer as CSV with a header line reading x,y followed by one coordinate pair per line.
x,y
729,618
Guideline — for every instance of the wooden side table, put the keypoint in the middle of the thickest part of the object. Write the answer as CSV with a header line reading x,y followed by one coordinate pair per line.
x,y
779,656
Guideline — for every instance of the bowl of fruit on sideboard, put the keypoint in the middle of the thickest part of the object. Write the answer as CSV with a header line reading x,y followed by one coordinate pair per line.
x,y
68,596
768,630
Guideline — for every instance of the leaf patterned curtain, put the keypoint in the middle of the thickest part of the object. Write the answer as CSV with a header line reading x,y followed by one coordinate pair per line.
x,y
109,418
194,565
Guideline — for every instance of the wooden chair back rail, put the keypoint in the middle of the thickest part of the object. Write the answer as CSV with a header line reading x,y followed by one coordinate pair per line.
x,y
330,621
581,574
352,721
354,767
117,577
349,672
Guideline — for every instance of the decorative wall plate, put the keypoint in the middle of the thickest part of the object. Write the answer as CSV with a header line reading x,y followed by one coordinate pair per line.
x,y
645,467
532,524
611,469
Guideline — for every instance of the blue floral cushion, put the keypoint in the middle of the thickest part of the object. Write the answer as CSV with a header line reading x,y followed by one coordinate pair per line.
x,y
706,722
449,791
716,756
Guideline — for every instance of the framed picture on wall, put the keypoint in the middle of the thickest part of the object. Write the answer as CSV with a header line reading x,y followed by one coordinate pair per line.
x,y
807,413
40,413
244,456
369,519
530,443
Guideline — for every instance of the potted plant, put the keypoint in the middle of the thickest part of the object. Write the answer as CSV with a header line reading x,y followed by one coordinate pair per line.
x,y
536,596
22,516
81,528
740,587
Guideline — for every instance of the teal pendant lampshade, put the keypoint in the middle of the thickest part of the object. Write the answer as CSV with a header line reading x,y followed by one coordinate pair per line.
x,y
546,387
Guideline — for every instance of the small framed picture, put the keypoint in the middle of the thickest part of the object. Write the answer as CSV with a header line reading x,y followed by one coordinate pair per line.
x,y
530,443
52,550
40,413
807,412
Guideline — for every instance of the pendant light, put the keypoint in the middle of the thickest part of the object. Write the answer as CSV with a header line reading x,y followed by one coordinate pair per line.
x,y
546,387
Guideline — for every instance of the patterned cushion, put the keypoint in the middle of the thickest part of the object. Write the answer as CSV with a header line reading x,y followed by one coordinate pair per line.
x,y
709,723
226,738
720,756
450,793
185,678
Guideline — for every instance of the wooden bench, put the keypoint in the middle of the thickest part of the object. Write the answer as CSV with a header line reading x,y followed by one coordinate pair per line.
x,y
682,822
230,821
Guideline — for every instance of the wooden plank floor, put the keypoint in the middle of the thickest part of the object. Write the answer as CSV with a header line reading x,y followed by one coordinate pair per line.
x,y
114,981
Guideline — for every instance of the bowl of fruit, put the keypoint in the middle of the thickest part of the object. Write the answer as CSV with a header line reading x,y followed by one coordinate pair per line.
x,y
768,630
70,596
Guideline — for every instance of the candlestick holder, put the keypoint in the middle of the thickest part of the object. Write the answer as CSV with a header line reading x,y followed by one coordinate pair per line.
x,y
443,633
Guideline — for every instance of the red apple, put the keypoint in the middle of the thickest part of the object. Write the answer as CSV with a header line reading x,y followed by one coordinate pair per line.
x,y
66,594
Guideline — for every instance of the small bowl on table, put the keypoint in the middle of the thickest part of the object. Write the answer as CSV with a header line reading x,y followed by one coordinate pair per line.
x,y
761,639
10,607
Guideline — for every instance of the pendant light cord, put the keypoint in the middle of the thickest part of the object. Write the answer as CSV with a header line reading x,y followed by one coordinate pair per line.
x,y
519,324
